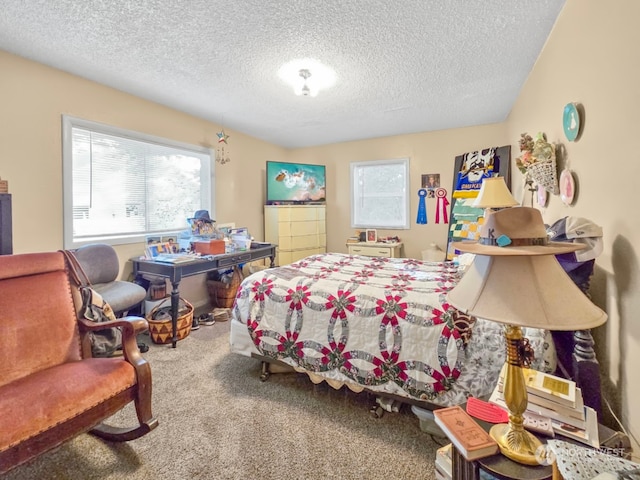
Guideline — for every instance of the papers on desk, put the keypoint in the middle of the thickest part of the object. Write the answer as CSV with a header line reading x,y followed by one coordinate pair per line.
x,y
174,258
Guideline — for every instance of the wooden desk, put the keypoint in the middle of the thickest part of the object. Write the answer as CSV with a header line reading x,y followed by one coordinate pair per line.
x,y
175,272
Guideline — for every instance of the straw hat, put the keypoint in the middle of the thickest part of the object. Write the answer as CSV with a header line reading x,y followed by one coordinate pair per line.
x,y
515,231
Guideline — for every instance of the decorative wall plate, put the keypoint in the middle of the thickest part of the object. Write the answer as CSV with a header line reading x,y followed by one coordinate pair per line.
x,y
542,196
567,187
571,121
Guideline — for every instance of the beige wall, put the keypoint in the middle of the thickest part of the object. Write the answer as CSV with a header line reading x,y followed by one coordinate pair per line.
x,y
433,152
589,58
34,97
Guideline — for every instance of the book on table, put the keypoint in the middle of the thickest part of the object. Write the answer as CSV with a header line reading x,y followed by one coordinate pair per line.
x,y
585,431
471,440
547,386
444,469
174,258
542,405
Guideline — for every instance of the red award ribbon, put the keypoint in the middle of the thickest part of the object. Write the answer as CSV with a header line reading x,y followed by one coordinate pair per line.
x,y
441,205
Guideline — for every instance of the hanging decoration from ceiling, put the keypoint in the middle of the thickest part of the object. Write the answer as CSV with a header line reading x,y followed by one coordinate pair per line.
x,y
222,156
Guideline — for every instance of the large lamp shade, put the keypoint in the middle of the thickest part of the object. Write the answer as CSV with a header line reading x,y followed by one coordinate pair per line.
x,y
527,291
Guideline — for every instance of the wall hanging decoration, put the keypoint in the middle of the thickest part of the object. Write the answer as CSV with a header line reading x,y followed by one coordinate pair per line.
x,y
567,187
222,157
571,121
430,181
441,206
466,221
422,207
474,167
542,196
537,161
469,170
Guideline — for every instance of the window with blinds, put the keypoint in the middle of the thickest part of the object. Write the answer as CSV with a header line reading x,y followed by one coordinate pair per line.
x,y
120,186
380,194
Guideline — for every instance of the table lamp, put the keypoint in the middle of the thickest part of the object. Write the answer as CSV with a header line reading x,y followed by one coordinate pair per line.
x,y
516,280
494,194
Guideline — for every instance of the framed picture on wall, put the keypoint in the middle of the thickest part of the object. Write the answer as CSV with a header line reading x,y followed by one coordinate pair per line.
x,y
372,235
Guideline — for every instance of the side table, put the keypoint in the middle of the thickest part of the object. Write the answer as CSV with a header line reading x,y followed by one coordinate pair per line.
x,y
498,466
370,249
503,468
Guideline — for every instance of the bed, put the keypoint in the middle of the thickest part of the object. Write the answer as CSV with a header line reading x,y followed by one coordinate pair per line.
x,y
376,324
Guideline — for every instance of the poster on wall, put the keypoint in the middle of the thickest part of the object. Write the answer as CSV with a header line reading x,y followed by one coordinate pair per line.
x,y
470,169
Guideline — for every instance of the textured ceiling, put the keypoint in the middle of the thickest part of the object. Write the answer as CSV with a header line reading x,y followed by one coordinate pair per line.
x,y
402,66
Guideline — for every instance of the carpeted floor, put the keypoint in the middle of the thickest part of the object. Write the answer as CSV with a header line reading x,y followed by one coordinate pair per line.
x,y
219,421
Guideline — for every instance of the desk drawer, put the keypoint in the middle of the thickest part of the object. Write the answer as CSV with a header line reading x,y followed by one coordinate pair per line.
x,y
240,258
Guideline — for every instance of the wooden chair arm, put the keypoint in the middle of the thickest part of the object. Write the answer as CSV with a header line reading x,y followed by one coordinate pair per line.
x,y
129,325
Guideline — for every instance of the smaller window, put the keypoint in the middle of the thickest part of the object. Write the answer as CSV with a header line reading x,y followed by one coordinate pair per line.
x,y
380,194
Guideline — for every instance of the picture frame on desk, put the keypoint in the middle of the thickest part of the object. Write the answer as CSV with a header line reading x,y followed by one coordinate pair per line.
x,y
172,241
226,228
153,250
371,235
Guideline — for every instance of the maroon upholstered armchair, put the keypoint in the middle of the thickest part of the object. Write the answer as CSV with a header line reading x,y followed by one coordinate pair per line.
x,y
51,389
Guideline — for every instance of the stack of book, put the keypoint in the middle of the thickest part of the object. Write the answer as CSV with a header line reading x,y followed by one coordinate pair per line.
x,y
560,401
444,469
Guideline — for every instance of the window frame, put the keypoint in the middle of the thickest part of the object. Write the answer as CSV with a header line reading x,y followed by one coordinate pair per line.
x,y
356,221
69,123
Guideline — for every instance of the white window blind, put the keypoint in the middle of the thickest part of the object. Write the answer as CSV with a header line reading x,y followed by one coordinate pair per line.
x,y
121,186
379,194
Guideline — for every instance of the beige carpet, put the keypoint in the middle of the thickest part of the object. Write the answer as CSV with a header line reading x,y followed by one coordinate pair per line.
x,y
219,421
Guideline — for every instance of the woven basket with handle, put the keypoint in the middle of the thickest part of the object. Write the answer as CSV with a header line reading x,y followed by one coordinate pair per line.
x,y
160,329
223,294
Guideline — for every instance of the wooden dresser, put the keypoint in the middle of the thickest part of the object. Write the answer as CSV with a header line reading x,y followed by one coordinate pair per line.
x,y
297,230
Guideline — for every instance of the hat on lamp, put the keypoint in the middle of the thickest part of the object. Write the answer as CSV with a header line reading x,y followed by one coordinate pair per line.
x,y
515,231
523,284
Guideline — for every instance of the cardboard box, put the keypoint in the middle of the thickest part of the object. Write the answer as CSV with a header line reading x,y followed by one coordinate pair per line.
x,y
209,247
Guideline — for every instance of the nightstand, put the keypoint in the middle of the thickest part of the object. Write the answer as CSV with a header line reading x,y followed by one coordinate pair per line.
x,y
495,466
370,249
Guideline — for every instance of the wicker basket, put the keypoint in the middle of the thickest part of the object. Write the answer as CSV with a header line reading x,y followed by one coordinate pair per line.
x,y
545,174
221,294
161,331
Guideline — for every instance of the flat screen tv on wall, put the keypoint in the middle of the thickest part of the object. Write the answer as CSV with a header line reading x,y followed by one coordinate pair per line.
x,y
292,183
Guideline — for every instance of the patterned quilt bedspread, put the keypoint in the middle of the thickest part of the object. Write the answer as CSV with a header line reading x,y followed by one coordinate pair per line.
x,y
379,323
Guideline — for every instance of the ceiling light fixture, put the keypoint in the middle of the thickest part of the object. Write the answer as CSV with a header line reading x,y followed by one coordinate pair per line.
x,y
297,73
305,90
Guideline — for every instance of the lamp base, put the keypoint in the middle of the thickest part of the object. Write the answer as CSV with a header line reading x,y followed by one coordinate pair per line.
x,y
518,445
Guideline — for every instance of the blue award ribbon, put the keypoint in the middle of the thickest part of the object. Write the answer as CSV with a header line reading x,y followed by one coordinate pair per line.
x,y
422,207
